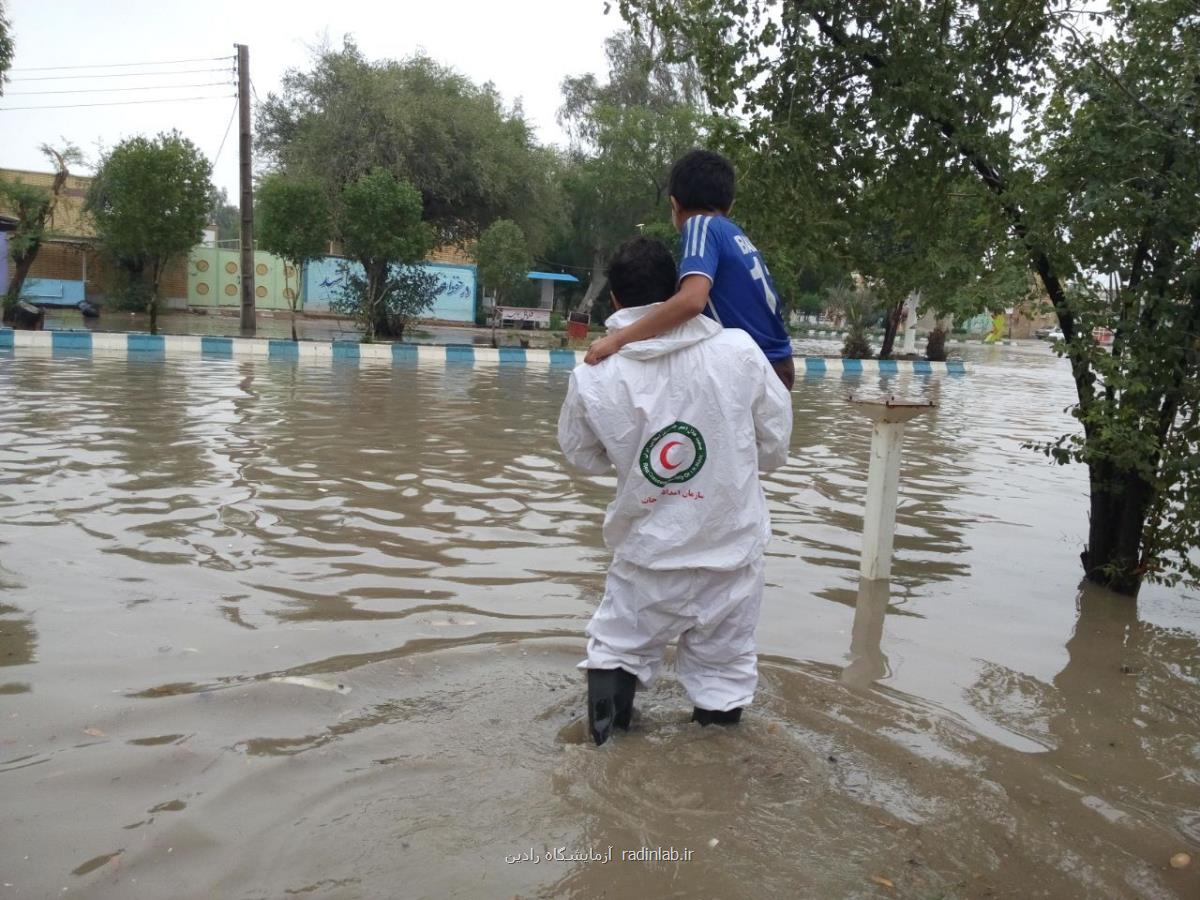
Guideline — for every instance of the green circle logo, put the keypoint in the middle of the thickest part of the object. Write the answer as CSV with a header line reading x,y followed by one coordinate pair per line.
x,y
673,455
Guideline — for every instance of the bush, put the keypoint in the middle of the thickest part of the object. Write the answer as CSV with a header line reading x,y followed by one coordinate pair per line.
x,y
856,346
406,293
129,292
556,322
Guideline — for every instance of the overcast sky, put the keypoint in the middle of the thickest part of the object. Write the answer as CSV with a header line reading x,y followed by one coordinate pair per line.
x,y
525,47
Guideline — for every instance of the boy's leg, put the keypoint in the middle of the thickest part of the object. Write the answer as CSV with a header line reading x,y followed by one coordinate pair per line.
x,y
717,662
786,370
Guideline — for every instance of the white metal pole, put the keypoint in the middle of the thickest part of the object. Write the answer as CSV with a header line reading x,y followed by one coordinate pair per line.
x,y
879,517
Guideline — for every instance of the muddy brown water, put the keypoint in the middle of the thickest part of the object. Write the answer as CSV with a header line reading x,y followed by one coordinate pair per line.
x,y
270,630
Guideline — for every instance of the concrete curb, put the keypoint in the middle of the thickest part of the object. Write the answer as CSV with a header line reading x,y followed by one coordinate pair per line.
x,y
133,344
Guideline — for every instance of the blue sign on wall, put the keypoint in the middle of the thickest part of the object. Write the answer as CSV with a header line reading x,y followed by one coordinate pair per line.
x,y
324,278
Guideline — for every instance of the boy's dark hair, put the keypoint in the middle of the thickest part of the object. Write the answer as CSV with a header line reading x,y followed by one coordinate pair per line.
x,y
642,271
702,179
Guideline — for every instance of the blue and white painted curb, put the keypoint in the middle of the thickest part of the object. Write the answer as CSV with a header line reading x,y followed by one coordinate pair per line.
x,y
99,343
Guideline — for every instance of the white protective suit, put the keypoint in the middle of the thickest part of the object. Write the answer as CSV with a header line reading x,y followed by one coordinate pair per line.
x,y
688,419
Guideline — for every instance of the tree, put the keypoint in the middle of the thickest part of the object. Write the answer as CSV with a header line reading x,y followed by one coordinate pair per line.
x,y
503,258
625,135
381,228
34,209
7,47
293,223
1100,177
471,159
403,295
226,216
857,305
149,202
502,255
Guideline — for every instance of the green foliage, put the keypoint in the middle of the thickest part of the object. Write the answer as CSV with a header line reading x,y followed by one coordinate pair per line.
x,y
502,255
381,227
293,219
390,305
381,220
664,231
809,303
625,135
7,46
525,293
293,222
30,205
149,202
33,208
857,306
129,291
471,159
226,216
947,145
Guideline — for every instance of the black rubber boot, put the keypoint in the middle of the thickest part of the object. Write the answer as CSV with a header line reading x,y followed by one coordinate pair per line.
x,y
716,716
626,687
610,701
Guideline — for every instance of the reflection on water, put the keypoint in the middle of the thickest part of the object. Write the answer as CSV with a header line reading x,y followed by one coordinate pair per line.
x,y
313,629
867,663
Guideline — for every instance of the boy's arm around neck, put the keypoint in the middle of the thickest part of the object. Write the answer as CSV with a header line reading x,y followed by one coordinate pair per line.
x,y
685,304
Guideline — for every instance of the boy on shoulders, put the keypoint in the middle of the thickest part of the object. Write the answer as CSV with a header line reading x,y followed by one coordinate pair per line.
x,y
722,274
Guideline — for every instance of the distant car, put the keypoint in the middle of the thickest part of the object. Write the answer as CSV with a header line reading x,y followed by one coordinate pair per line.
x,y
1041,333
1055,334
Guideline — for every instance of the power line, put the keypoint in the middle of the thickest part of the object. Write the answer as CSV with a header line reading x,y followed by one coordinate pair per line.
x,y
120,75
545,262
148,87
227,125
119,103
164,62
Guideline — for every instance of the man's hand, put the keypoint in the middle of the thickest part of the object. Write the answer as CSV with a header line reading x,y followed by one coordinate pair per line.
x,y
602,348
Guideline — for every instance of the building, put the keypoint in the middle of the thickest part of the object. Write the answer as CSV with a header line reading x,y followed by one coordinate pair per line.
x,y
69,269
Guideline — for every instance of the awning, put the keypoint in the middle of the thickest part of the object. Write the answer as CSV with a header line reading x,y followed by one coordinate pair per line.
x,y
551,276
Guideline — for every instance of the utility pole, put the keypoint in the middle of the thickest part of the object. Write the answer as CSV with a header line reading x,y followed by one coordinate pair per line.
x,y
247,190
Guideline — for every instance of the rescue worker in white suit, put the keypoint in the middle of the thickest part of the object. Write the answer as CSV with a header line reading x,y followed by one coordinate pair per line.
x,y
688,419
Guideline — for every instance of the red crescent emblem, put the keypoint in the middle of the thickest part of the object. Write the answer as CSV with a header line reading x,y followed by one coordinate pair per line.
x,y
662,455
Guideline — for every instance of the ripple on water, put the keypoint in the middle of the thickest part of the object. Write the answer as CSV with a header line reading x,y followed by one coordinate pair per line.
x,y
189,549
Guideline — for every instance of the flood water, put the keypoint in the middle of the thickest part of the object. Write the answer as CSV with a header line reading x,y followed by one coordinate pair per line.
x,y
271,630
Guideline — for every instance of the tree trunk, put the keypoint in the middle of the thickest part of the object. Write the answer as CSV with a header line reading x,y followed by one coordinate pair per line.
x,y
1120,501
935,345
890,327
154,298
495,316
294,299
21,267
596,285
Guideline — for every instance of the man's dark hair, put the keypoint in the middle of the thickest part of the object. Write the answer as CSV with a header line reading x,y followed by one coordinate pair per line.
x,y
702,179
642,271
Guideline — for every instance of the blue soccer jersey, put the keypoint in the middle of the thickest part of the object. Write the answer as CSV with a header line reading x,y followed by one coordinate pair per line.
x,y
742,294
